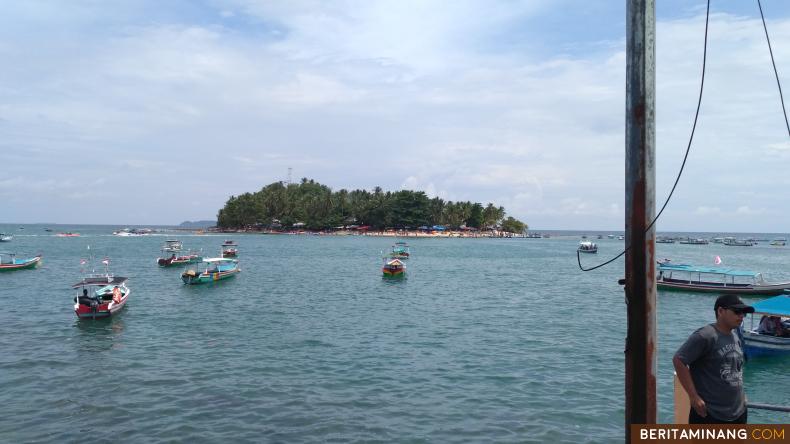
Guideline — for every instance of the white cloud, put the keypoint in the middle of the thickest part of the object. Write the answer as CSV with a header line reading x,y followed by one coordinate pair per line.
x,y
360,94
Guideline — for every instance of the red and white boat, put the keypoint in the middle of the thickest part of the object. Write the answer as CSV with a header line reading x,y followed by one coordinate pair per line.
x,y
100,296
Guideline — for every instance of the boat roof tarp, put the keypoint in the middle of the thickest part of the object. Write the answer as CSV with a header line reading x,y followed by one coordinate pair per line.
x,y
100,280
218,259
711,270
777,305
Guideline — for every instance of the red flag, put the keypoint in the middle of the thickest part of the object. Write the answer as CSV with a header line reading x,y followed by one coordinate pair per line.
x,y
717,260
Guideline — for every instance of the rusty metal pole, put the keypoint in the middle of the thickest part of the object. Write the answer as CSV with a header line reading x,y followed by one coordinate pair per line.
x,y
640,286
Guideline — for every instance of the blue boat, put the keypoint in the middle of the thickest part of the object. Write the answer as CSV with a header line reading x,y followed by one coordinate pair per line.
x,y
719,280
772,334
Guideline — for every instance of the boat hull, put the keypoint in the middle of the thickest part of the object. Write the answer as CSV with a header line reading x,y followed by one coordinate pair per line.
x,y
26,265
760,290
205,278
168,262
765,345
103,310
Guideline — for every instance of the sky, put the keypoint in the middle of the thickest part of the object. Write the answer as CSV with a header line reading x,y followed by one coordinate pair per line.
x,y
148,112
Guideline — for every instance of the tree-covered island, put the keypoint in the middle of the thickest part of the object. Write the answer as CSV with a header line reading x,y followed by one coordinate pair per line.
x,y
313,206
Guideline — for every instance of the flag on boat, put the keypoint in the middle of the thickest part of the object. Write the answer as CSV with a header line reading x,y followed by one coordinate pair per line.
x,y
106,261
717,260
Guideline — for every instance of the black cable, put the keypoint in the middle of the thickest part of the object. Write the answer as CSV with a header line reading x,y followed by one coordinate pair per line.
x,y
688,149
776,73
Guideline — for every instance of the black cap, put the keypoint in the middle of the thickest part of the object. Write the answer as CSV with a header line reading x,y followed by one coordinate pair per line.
x,y
732,301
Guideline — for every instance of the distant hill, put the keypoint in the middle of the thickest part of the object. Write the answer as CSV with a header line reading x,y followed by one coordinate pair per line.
x,y
198,224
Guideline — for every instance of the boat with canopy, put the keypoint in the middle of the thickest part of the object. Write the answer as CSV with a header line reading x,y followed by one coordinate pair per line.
x,y
720,280
211,270
393,268
772,334
100,295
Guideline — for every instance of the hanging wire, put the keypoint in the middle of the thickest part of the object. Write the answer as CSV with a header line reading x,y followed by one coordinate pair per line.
x,y
685,157
776,73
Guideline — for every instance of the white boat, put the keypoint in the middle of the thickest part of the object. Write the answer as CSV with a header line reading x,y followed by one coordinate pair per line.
x,y
587,247
6,237
172,246
779,242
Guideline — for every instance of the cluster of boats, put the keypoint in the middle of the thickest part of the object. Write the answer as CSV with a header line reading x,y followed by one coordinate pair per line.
x,y
394,267
758,340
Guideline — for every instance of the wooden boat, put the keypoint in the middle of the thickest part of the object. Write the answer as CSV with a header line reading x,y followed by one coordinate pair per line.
x,y
9,262
173,259
715,280
211,270
665,240
6,237
587,247
393,268
779,242
772,335
229,249
400,250
100,296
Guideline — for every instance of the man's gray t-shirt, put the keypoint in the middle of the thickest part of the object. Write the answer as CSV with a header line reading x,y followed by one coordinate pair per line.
x,y
716,363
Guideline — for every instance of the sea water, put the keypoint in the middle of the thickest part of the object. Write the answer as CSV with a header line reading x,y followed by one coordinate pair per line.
x,y
486,340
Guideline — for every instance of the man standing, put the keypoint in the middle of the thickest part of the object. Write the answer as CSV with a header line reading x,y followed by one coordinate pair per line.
x,y
709,366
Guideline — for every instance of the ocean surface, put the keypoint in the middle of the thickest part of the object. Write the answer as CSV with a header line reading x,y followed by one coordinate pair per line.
x,y
487,340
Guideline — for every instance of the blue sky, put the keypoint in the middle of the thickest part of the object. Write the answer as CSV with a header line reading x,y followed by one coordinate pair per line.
x,y
171,107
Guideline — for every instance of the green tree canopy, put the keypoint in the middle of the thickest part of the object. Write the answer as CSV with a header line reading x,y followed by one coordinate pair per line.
x,y
318,207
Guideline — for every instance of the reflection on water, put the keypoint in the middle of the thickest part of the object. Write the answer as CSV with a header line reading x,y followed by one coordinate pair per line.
x,y
99,334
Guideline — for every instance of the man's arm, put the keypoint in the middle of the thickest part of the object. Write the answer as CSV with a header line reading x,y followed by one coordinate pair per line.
x,y
684,376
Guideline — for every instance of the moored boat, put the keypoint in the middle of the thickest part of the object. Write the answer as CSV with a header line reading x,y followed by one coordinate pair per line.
x,y
665,240
100,296
694,241
211,270
587,247
230,249
772,335
684,277
400,250
6,237
733,242
9,262
393,268
173,259
779,242
172,246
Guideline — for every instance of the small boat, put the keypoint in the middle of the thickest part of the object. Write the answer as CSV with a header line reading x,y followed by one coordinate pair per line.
x,y
393,268
67,234
779,242
100,296
772,335
733,242
400,250
621,237
694,241
9,262
665,240
172,246
211,270
173,259
229,249
6,237
587,247
715,280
